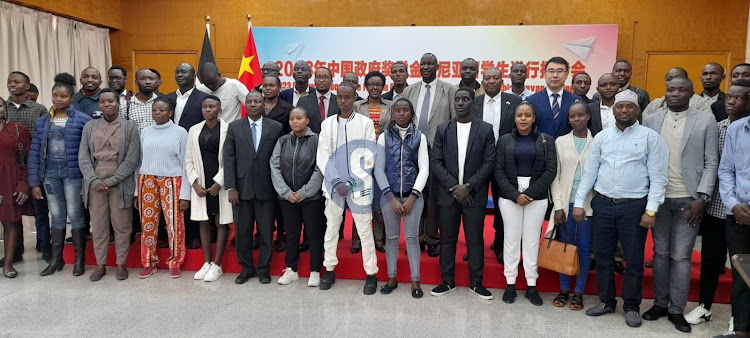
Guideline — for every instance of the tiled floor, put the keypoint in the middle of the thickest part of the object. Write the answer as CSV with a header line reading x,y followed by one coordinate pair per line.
x,y
63,305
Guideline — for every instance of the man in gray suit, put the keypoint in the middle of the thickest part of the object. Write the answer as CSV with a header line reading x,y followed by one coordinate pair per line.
x,y
433,100
692,137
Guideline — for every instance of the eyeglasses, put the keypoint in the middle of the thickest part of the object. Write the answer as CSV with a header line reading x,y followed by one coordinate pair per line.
x,y
269,70
115,78
556,71
322,78
374,85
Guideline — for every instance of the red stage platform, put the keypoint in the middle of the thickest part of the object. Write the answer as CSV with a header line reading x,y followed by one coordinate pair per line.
x,y
350,266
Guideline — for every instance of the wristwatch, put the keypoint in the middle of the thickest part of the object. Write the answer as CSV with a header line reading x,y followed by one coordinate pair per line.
x,y
650,213
467,185
705,197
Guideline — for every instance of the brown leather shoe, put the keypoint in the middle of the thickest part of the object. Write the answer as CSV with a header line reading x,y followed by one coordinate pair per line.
x,y
122,272
97,275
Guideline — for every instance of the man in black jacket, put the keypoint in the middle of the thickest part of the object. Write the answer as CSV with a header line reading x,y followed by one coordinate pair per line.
x,y
247,175
462,161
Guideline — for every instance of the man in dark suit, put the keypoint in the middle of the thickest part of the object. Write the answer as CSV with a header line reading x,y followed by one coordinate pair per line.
x,y
498,109
623,70
581,85
302,88
399,75
433,105
247,176
553,102
462,161
322,103
188,103
601,111
740,71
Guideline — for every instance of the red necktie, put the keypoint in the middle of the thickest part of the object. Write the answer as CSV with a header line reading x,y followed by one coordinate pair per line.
x,y
322,107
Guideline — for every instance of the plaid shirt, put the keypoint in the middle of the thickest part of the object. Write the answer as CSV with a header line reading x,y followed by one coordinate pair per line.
x,y
138,112
26,114
716,208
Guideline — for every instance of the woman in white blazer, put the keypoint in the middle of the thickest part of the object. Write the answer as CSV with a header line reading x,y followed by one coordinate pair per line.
x,y
209,202
572,150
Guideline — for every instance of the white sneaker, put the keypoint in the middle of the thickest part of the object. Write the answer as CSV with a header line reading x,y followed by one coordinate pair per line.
x,y
731,324
288,276
203,271
699,315
214,273
314,280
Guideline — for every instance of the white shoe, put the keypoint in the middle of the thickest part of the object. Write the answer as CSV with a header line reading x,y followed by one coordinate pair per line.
x,y
288,276
214,273
203,271
699,315
731,324
314,280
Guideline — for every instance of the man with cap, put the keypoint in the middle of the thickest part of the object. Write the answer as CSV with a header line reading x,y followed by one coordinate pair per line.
x,y
627,169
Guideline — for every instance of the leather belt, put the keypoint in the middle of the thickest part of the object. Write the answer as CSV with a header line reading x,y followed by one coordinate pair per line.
x,y
617,200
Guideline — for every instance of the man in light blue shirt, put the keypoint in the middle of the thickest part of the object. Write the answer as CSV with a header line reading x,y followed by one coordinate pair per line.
x,y
627,168
734,188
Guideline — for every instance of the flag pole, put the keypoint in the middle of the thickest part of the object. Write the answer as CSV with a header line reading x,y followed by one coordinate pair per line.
x,y
249,21
208,25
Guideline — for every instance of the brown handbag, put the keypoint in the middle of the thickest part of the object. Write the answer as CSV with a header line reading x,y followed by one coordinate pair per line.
x,y
559,256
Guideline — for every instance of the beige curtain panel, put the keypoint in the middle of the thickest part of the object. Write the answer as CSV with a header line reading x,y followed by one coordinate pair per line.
x,y
41,45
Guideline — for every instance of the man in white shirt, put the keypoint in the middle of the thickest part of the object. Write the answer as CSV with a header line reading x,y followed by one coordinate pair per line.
x,y
601,110
231,91
518,81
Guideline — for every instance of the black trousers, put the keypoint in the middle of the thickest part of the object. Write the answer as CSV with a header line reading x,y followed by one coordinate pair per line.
x,y
450,223
192,228
309,212
612,222
713,257
247,215
738,242
497,223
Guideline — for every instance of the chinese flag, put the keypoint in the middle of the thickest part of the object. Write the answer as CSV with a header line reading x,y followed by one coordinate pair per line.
x,y
250,73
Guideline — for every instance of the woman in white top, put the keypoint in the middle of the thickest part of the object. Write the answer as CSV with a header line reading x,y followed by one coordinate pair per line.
x,y
572,150
209,201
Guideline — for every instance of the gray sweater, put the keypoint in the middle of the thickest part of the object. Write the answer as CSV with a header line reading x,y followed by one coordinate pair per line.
x,y
128,160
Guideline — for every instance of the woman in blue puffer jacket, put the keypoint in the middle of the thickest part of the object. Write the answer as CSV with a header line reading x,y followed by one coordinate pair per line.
x,y
53,165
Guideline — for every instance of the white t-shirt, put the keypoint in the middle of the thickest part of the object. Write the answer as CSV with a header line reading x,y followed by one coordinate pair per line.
x,y
232,95
462,131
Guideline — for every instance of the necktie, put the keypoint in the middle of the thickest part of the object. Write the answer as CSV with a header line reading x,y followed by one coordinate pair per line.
x,y
555,106
495,117
322,108
254,134
424,115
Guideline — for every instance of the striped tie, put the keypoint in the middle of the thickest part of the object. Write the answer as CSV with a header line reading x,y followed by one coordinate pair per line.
x,y
555,106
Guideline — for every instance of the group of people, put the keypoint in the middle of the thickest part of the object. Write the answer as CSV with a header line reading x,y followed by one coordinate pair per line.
x,y
421,157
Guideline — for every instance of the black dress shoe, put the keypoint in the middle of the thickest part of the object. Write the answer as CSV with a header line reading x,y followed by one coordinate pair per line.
x,y
304,247
387,289
619,267
264,278
244,277
417,293
466,257
356,250
679,322
380,249
655,312
279,245
433,250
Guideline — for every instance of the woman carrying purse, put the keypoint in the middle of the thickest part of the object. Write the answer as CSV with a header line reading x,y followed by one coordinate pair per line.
x,y
572,150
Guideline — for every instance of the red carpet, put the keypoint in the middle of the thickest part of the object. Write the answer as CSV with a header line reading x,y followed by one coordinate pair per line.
x,y
350,266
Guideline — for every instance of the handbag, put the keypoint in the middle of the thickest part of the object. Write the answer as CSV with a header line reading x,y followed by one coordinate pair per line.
x,y
559,256
20,153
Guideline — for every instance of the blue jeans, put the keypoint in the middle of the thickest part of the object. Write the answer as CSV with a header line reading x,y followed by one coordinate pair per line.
x,y
674,239
411,232
619,221
63,196
581,234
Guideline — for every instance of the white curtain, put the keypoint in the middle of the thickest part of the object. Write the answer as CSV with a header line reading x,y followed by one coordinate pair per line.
x,y
41,45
